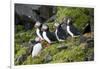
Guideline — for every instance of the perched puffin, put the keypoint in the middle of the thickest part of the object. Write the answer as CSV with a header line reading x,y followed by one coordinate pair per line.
x,y
39,32
49,36
60,32
37,46
71,29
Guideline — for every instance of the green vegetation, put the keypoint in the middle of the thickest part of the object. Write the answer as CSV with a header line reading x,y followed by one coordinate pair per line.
x,y
75,51
81,16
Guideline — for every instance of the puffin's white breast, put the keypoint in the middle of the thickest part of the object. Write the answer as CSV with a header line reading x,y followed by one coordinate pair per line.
x,y
69,31
36,49
45,37
38,34
57,36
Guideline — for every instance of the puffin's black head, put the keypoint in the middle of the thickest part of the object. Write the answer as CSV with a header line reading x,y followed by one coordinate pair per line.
x,y
38,24
67,20
45,27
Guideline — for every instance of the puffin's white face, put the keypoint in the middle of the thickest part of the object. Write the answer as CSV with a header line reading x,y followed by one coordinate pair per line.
x,y
68,21
56,24
44,27
37,24
37,39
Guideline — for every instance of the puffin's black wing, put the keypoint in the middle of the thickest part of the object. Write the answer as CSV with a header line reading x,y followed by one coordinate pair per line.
x,y
74,30
51,36
41,33
61,33
33,42
64,28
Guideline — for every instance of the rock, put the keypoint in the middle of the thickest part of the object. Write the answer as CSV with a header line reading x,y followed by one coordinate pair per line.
x,y
20,59
90,43
26,10
86,37
28,26
24,15
83,45
47,58
52,18
90,57
35,12
82,39
46,11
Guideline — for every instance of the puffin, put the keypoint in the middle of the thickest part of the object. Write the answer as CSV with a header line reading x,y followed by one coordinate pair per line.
x,y
37,46
38,27
48,36
70,28
60,32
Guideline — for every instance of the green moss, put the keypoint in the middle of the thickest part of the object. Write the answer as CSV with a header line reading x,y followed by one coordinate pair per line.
x,y
17,47
28,60
19,27
75,54
81,16
51,49
21,51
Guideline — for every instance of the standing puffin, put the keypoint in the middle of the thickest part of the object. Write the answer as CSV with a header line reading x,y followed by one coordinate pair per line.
x,y
71,29
50,37
60,32
39,32
37,47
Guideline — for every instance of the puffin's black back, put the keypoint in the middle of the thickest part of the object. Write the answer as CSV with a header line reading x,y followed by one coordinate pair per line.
x,y
74,30
41,33
41,30
51,35
64,28
61,33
